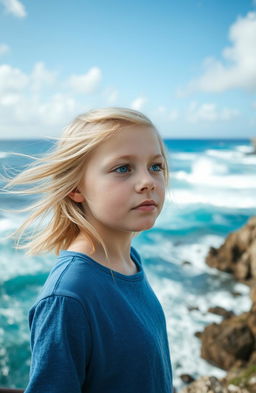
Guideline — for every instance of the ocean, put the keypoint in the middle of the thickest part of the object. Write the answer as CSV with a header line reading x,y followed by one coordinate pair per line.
x,y
211,193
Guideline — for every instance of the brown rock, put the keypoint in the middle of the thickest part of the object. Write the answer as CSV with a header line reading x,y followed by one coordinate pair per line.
x,y
205,385
186,378
252,221
221,311
252,360
193,308
236,293
252,256
253,141
184,263
253,292
252,320
231,345
241,378
242,269
213,385
198,334
225,343
237,254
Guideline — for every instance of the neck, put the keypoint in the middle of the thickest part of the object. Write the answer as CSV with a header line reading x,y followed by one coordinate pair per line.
x,y
117,245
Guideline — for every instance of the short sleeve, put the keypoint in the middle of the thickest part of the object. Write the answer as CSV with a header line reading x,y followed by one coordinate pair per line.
x,y
60,344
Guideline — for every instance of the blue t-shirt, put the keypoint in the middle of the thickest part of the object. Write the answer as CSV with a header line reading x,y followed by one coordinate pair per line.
x,y
91,333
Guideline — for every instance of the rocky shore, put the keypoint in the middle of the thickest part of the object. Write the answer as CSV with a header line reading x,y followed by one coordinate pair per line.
x,y
253,141
231,344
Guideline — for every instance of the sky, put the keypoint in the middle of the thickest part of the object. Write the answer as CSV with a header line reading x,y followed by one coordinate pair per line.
x,y
190,65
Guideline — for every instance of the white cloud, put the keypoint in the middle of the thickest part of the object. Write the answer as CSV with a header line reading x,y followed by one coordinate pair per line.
x,y
41,77
112,98
12,79
60,107
86,83
228,114
168,115
34,116
209,112
35,102
55,110
14,7
110,94
4,49
237,69
138,103
9,99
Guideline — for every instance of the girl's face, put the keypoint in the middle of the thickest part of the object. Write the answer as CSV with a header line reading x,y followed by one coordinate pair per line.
x,y
120,174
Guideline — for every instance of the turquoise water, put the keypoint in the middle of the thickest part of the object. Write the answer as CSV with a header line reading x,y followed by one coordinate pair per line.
x,y
212,192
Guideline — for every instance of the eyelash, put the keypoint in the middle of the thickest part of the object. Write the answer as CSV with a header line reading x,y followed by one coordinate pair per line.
x,y
127,165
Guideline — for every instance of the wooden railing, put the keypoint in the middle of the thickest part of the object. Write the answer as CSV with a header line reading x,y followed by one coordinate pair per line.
x,y
6,390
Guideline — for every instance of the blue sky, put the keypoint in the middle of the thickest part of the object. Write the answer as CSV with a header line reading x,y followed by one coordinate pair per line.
x,y
190,65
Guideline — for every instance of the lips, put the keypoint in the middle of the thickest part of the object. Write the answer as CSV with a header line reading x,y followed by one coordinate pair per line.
x,y
147,203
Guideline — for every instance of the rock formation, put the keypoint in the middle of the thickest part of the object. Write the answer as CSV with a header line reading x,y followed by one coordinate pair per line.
x,y
213,385
237,255
231,345
253,141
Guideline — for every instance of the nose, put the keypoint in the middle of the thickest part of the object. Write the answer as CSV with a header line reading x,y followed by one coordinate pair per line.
x,y
145,182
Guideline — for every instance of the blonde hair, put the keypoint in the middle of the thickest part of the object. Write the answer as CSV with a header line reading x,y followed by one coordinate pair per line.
x,y
59,172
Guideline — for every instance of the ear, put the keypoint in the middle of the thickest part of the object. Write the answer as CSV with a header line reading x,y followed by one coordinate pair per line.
x,y
76,195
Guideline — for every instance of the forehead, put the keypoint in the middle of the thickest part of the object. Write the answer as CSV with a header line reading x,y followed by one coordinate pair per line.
x,y
133,140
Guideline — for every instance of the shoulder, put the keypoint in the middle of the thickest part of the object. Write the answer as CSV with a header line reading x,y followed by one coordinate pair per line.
x,y
77,276
57,307
59,321
69,278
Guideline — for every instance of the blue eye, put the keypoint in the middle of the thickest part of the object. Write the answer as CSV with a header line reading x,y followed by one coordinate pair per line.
x,y
124,168
158,165
121,169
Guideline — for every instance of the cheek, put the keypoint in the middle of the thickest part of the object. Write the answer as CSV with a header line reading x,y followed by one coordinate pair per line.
x,y
112,189
117,195
161,185
106,192
161,192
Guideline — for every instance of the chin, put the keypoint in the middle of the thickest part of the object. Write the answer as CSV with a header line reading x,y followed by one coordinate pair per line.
x,y
144,227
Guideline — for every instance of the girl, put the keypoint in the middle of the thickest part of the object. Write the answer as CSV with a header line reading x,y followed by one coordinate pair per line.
x,y
97,326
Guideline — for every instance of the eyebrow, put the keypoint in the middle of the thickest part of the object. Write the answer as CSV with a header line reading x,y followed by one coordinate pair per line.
x,y
133,156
